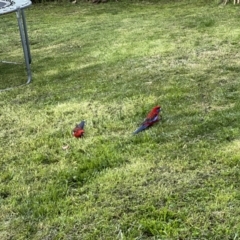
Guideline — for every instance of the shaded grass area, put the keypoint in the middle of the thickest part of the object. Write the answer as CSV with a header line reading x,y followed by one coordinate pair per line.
x,y
110,64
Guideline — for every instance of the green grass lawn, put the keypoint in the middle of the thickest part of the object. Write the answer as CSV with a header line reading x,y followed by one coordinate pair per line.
x,y
109,64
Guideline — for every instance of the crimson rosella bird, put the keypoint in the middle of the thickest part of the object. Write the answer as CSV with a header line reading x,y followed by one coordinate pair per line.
x,y
151,118
78,131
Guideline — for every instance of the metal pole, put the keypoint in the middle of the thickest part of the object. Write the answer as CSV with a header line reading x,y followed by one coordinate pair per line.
x,y
26,36
25,43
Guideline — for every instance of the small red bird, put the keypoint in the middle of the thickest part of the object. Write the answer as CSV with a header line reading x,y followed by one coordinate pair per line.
x,y
151,118
78,131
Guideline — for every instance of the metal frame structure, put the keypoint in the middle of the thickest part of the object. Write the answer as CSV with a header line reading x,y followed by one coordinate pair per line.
x,y
18,6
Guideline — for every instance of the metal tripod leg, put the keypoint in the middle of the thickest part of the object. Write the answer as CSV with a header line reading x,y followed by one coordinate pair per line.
x,y
25,43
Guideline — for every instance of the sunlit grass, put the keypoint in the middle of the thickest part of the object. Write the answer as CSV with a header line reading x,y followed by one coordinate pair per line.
x,y
109,64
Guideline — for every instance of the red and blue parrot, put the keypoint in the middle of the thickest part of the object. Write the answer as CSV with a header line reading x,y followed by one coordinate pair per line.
x,y
78,131
151,118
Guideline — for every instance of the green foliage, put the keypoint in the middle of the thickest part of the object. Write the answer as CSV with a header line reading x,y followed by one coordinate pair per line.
x,y
109,64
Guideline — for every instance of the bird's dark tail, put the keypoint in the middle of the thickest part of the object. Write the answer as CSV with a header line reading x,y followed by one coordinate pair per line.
x,y
81,124
139,129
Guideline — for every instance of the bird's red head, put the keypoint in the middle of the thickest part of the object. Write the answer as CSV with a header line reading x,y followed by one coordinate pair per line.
x,y
157,108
